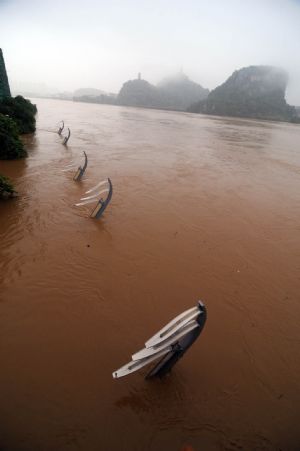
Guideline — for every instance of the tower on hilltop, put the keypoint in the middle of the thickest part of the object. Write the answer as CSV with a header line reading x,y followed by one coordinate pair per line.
x,y
4,85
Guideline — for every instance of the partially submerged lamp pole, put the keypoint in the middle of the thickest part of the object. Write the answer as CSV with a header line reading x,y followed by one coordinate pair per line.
x,y
165,365
81,169
101,203
66,138
61,127
169,344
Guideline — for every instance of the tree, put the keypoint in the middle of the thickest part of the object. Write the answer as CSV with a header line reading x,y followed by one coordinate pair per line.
x,y
21,110
11,146
6,187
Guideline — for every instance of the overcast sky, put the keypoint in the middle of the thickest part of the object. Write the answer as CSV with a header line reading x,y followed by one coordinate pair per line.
x,y
68,44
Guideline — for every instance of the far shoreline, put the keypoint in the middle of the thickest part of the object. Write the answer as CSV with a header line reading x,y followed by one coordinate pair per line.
x,y
203,115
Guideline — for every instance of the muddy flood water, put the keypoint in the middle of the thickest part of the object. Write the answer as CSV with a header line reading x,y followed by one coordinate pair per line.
x,y
203,208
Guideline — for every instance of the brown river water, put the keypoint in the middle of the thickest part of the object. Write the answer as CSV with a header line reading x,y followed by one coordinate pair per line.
x,y
203,208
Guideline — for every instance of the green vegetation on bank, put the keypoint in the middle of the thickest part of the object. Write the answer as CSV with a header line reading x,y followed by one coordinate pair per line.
x,y
11,147
17,117
6,186
22,111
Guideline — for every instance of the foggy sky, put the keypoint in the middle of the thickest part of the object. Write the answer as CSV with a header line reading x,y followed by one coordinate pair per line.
x,y
69,44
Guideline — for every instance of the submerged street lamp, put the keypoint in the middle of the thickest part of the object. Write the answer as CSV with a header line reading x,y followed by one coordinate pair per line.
x,y
81,169
169,344
61,127
101,203
66,138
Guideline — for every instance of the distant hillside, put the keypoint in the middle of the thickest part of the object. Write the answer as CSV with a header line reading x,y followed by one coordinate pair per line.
x,y
179,92
139,93
107,99
4,85
254,92
88,92
92,95
174,93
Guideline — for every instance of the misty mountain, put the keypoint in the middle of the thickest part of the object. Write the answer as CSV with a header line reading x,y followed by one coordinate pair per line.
x,y
179,92
4,84
139,93
175,93
254,92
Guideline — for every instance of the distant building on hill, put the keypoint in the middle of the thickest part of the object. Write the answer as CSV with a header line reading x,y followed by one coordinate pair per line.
x,y
4,85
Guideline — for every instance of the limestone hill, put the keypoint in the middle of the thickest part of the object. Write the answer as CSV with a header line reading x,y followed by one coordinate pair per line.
x,y
175,93
254,92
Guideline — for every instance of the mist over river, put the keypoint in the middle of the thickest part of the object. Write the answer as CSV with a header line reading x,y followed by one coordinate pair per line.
x,y
203,208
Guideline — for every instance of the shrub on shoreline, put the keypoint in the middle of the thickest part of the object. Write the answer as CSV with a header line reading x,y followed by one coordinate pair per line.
x,y
22,111
11,147
6,188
